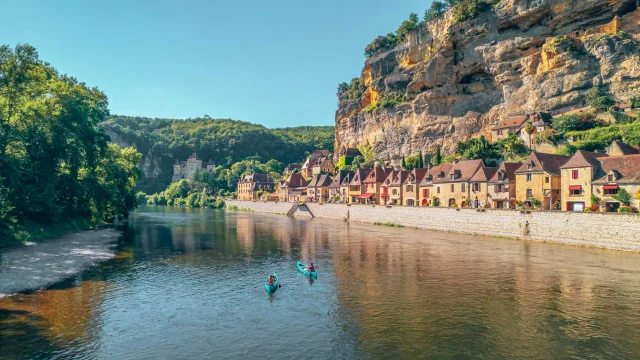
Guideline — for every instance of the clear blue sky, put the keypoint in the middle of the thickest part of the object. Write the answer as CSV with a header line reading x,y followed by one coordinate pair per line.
x,y
276,63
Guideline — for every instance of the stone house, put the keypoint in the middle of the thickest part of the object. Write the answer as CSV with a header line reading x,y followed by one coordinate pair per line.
x,y
613,174
454,187
318,188
502,186
577,175
428,193
291,185
511,125
478,190
372,185
410,195
292,168
251,184
338,191
311,167
188,169
391,188
539,178
356,185
618,148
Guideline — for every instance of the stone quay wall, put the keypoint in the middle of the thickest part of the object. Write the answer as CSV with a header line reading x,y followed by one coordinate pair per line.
x,y
602,230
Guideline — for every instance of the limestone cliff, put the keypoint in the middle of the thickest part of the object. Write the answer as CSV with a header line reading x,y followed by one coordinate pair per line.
x,y
455,80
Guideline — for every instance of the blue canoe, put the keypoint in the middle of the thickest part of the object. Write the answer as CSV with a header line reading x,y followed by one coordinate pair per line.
x,y
303,269
271,288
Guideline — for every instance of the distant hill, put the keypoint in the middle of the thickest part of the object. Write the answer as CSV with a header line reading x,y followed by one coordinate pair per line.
x,y
225,141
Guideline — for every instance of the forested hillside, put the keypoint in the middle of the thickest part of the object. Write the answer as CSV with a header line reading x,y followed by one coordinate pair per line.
x,y
225,141
56,166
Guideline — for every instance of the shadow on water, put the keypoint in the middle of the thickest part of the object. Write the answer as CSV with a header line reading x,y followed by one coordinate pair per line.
x,y
20,337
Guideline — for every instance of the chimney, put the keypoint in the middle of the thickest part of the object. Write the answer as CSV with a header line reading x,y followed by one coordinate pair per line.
x,y
455,161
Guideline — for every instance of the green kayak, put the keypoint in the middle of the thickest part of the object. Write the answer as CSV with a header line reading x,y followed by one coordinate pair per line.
x,y
305,270
271,288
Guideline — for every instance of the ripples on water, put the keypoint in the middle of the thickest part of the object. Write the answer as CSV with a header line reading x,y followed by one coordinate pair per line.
x,y
189,284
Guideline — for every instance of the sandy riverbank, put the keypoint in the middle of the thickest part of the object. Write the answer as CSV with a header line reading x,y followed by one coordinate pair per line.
x,y
42,264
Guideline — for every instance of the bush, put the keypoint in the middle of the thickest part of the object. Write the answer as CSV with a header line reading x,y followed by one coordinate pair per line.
x,y
574,122
549,136
621,118
379,44
436,10
469,9
623,197
535,203
599,98
627,209
141,198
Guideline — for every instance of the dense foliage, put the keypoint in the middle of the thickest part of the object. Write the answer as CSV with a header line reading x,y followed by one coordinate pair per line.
x,y
183,193
599,98
55,164
224,141
575,122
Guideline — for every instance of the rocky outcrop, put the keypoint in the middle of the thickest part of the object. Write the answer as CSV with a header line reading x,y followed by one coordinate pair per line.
x,y
456,80
150,165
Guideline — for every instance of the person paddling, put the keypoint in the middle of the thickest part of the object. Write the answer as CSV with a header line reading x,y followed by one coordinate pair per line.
x,y
311,268
271,279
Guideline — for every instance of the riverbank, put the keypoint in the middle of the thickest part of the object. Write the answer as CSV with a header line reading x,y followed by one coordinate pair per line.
x,y
41,264
601,230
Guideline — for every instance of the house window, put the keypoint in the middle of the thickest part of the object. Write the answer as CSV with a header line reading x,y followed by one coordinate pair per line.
x,y
476,186
462,187
452,190
438,188
574,174
546,179
610,178
528,177
610,191
499,131
394,192
425,193
499,188
529,193
575,192
409,187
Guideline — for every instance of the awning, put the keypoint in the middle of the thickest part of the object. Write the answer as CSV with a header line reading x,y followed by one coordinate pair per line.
x,y
365,196
610,187
575,187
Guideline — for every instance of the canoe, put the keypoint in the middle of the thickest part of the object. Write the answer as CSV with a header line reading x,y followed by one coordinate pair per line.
x,y
271,288
303,269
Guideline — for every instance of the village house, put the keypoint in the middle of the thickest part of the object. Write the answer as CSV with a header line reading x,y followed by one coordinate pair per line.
x,y
337,191
577,175
252,185
291,185
428,193
618,148
502,186
615,173
292,168
538,179
479,187
311,167
371,185
188,169
391,188
356,185
318,188
454,187
410,187
516,125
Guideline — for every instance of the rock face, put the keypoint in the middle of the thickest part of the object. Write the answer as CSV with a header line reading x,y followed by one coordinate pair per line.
x,y
149,164
457,80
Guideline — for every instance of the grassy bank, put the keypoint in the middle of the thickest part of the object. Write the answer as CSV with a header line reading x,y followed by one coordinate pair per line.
x,y
31,231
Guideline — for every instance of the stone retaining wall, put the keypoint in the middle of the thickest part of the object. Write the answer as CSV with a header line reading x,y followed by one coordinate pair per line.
x,y
611,231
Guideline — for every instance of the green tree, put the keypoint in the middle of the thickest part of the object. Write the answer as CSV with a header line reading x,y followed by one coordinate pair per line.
x,y
404,162
599,98
411,162
510,146
623,196
477,148
420,160
436,10
407,26
438,155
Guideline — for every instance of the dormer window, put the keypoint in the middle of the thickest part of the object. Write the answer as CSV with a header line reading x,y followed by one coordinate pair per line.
x,y
453,176
610,178
530,166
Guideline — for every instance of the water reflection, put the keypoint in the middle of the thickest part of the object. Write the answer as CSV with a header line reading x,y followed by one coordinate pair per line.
x,y
189,283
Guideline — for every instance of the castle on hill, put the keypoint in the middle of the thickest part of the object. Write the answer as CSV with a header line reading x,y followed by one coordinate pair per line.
x,y
187,169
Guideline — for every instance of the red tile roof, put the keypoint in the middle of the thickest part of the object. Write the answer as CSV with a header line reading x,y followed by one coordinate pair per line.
x,y
513,122
359,176
627,169
462,171
294,180
435,172
416,176
582,159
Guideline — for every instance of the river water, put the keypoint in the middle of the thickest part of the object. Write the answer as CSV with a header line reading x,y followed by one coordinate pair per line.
x,y
189,284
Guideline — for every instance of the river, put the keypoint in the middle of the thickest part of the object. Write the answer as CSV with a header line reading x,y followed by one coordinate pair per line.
x,y
189,284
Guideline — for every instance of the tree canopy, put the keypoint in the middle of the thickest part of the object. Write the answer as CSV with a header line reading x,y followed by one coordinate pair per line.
x,y
55,163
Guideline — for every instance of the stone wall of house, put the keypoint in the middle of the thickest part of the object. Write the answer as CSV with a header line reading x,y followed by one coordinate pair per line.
x,y
611,231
